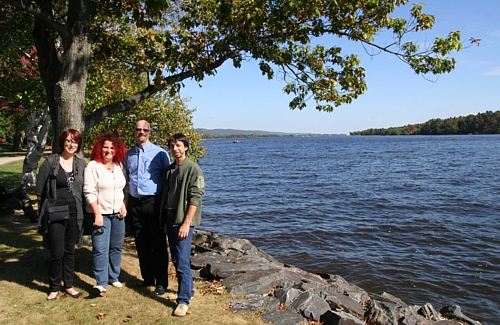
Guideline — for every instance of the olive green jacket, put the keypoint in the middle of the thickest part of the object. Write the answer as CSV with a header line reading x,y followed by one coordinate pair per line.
x,y
192,188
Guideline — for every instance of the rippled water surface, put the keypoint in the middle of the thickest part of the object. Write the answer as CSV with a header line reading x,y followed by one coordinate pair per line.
x,y
417,216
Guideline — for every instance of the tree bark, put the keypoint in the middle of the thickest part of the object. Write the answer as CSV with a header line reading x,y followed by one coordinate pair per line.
x,y
18,141
38,129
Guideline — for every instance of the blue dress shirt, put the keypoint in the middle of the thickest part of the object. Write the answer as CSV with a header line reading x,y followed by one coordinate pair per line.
x,y
146,167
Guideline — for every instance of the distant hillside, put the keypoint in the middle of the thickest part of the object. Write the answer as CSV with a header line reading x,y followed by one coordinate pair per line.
x,y
232,132
481,123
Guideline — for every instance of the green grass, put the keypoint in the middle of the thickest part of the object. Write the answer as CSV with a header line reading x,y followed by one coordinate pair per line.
x,y
24,275
10,174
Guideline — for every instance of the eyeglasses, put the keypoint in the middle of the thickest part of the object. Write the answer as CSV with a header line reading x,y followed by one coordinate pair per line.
x,y
70,141
143,130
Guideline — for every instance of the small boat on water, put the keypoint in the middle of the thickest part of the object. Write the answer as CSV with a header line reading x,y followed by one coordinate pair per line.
x,y
236,141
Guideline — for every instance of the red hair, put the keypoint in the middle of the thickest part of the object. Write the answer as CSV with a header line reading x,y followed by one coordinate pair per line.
x,y
117,143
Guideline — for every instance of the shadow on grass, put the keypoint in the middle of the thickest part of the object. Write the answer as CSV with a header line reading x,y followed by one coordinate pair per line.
x,y
7,178
24,261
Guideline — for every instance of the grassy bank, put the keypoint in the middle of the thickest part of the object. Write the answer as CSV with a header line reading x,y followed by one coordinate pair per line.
x,y
24,273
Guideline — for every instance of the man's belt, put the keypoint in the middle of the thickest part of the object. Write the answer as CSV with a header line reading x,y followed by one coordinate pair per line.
x,y
143,197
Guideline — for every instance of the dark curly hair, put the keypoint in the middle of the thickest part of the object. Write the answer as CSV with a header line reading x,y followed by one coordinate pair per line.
x,y
119,145
75,135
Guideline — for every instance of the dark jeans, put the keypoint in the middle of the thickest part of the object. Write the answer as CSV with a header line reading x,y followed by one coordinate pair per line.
x,y
62,237
150,239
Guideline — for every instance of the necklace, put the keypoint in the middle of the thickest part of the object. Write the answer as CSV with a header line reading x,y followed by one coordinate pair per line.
x,y
70,178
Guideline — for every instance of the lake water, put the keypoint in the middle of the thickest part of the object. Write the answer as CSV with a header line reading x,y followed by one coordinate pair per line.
x,y
415,216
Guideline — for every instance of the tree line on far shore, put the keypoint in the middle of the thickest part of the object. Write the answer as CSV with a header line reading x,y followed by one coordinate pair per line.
x,y
481,123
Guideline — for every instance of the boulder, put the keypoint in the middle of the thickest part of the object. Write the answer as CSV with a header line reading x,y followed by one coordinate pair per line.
x,y
259,282
338,301
340,318
254,303
244,264
310,305
201,260
285,317
455,312
246,270
286,295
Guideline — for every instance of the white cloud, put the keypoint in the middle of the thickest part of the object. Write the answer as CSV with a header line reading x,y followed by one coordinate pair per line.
x,y
493,72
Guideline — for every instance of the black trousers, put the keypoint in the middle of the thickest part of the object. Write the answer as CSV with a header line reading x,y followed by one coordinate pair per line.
x,y
62,237
150,239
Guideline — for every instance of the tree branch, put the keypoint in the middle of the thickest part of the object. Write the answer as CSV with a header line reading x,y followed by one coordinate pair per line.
x,y
37,12
127,104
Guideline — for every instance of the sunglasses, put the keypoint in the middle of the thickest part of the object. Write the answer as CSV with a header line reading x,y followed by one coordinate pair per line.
x,y
143,130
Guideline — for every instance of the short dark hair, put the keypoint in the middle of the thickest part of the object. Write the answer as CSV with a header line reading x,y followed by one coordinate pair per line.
x,y
179,137
75,134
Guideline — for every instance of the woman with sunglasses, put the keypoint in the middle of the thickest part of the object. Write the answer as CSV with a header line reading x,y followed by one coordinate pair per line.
x,y
59,188
103,187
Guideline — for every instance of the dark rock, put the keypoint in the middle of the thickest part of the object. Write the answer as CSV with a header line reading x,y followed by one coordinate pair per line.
x,y
202,260
203,238
336,283
259,282
244,264
246,270
455,312
310,305
235,254
340,318
285,317
255,303
429,312
196,275
341,302
286,295
383,311
409,316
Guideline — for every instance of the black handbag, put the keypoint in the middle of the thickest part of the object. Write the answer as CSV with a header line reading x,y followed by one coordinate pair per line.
x,y
58,213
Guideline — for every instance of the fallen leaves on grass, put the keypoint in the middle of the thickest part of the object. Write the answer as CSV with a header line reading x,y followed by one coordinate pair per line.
x,y
101,316
212,288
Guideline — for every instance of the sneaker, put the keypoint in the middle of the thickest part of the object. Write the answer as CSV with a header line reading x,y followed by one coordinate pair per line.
x,y
181,310
100,290
159,290
117,284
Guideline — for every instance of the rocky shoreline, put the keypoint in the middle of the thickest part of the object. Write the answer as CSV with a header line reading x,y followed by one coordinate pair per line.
x,y
286,295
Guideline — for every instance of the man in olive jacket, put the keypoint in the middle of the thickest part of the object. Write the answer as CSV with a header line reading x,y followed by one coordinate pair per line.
x,y
181,211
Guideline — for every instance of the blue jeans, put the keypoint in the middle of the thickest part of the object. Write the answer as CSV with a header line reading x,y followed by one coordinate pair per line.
x,y
181,257
107,245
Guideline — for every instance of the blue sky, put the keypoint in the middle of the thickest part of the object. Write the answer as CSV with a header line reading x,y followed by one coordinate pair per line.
x,y
396,96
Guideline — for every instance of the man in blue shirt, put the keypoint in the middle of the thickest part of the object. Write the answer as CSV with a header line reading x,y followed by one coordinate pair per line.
x,y
146,164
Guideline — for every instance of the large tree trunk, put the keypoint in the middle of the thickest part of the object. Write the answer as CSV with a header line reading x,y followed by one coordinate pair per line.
x,y
65,75
18,141
37,130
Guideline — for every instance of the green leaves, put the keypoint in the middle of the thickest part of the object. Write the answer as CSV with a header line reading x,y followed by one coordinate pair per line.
x,y
291,40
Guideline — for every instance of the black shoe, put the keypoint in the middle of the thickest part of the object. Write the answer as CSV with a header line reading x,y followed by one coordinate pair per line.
x,y
76,295
159,290
145,284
